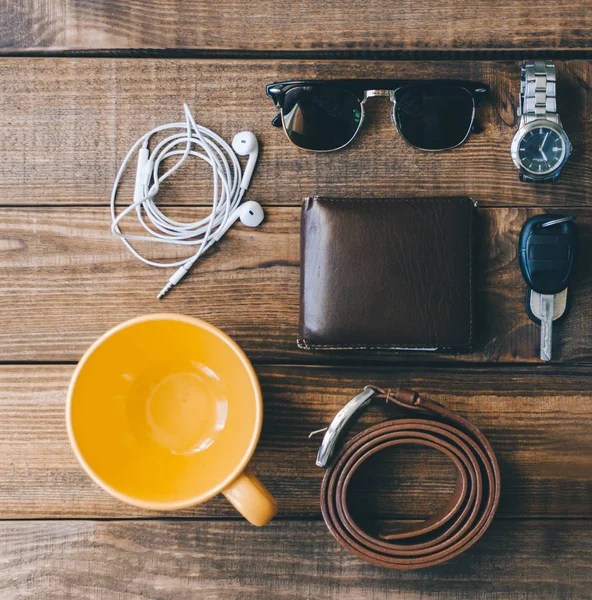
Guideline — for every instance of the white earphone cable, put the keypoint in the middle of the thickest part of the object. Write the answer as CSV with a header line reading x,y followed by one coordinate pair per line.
x,y
202,143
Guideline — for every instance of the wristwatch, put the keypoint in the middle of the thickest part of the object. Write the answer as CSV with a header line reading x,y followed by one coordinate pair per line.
x,y
540,147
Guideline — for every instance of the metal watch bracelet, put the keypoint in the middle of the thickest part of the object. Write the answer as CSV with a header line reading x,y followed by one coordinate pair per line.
x,y
538,95
538,98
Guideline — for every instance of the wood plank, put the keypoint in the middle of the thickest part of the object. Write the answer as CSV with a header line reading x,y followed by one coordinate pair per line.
x,y
537,420
302,25
64,280
298,560
68,123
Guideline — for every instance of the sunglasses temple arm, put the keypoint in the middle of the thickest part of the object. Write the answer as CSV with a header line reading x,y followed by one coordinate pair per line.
x,y
277,122
476,127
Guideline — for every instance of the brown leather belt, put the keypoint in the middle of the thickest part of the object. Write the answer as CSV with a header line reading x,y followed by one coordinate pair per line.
x,y
448,533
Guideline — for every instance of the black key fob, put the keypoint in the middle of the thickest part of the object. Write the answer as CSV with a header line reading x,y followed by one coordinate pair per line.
x,y
548,250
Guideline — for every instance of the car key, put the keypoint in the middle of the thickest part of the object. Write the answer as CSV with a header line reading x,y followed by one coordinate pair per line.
x,y
548,253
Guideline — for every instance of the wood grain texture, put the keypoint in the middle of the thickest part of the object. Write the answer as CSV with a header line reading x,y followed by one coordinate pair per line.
x,y
300,25
537,420
282,561
67,124
64,281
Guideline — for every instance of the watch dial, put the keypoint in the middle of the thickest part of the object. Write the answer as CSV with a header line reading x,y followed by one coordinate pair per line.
x,y
541,150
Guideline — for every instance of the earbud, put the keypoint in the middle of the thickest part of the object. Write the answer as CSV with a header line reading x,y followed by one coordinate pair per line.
x,y
245,143
250,213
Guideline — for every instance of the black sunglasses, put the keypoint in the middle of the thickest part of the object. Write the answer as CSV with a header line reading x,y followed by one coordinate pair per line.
x,y
326,115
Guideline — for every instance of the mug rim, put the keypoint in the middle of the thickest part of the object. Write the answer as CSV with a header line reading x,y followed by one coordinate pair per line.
x,y
194,500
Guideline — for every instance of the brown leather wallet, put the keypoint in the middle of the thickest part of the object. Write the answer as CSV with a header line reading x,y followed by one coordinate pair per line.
x,y
394,274
455,527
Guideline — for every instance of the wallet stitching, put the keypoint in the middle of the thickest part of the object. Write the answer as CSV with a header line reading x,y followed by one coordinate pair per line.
x,y
304,345
452,199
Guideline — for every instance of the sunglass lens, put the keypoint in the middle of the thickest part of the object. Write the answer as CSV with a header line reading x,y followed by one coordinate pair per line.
x,y
434,117
321,117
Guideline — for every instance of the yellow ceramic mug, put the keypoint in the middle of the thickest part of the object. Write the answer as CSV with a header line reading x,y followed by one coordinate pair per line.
x,y
164,411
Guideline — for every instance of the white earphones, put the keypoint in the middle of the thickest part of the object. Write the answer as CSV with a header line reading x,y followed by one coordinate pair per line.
x,y
229,189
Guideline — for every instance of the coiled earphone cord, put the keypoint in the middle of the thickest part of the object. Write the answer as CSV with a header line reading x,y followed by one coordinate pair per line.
x,y
229,189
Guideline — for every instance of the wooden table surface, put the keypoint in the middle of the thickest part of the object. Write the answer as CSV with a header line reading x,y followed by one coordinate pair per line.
x,y
81,80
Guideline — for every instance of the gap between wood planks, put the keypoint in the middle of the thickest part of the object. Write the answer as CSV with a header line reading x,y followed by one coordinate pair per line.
x,y
386,55
278,519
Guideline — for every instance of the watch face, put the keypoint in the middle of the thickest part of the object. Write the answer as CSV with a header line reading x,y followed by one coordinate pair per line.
x,y
541,150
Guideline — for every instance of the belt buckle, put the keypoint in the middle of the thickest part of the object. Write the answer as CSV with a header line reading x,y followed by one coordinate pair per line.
x,y
340,423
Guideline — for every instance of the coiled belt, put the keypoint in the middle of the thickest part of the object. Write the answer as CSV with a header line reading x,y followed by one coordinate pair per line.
x,y
453,529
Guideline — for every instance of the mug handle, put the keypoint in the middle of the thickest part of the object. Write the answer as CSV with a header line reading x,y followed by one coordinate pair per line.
x,y
251,498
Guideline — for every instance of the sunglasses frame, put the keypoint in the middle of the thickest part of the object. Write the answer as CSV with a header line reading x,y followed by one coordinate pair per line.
x,y
369,88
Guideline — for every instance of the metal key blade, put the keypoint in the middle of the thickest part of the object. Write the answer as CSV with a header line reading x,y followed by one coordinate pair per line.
x,y
547,309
